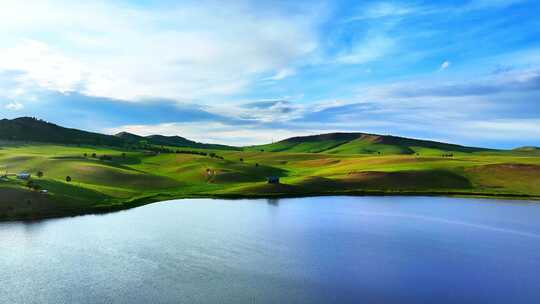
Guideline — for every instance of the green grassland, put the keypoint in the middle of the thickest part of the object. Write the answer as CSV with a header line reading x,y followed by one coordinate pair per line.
x,y
134,177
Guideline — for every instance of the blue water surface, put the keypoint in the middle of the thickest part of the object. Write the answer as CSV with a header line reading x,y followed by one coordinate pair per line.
x,y
305,250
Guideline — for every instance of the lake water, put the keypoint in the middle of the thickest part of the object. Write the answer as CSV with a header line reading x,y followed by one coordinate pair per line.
x,y
307,250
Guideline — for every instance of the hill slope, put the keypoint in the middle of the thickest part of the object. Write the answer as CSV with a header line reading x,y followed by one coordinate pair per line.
x,y
362,143
174,141
32,129
35,130
178,141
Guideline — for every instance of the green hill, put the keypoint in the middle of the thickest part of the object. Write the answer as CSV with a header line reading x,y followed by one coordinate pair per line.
x,y
173,141
129,176
178,141
362,143
528,150
28,129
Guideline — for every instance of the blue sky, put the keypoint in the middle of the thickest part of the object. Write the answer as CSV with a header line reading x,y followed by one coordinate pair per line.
x,y
245,72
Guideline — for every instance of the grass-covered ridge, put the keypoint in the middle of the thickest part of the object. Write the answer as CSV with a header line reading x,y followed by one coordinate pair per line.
x,y
30,129
362,143
105,178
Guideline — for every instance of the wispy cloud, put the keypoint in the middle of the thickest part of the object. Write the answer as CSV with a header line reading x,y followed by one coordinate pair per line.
x,y
282,74
215,132
445,65
248,71
128,52
513,80
14,106
383,10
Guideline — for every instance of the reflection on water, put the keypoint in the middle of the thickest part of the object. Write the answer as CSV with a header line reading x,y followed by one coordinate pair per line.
x,y
273,201
309,250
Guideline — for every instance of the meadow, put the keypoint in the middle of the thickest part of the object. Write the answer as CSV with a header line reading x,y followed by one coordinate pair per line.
x,y
107,179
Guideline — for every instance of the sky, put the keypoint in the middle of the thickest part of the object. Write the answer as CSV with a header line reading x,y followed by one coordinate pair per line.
x,y
249,72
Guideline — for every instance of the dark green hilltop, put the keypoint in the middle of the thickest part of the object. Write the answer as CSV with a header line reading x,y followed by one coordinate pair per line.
x,y
36,130
360,143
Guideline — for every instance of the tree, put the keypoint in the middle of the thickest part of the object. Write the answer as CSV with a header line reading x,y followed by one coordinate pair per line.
x,y
256,164
94,155
241,160
85,155
30,184
40,174
123,154
68,178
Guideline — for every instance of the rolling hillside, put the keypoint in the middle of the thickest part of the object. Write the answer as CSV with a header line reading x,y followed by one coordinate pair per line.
x,y
173,141
528,150
337,163
28,129
362,143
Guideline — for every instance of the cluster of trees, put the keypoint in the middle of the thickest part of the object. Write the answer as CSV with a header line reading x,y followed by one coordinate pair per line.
x,y
177,151
156,150
103,156
33,186
448,155
189,152
30,184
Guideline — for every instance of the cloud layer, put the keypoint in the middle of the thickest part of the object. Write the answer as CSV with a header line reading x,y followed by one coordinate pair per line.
x,y
250,72
191,50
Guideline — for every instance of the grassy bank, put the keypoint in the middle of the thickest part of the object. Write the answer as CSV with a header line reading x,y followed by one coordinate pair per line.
x,y
108,179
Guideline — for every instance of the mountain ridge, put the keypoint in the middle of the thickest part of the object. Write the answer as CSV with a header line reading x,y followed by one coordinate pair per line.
x,y
32,129
37,130
362,143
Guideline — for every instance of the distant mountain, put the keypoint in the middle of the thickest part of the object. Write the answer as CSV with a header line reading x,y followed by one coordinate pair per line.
x,y
527,149
362,143
32,129
174,141
130,138
36,130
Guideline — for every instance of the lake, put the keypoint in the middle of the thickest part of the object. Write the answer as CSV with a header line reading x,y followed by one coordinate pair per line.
x,y
305,250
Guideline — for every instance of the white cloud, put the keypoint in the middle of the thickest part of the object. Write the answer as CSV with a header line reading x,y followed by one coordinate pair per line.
x,y
481,4
41,66
261,111
214,132
445,65
282,74
502,129
382,10
184,51
516,81
14,106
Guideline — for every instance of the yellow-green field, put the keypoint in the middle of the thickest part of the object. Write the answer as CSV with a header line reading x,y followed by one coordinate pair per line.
x,y
133,178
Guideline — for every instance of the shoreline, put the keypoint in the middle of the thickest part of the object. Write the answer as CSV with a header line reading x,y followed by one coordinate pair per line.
x,y
161,197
